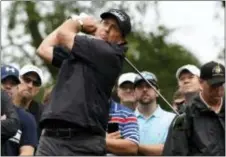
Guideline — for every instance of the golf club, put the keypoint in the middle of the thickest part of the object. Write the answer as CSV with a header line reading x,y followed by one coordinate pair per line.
x,y
151,85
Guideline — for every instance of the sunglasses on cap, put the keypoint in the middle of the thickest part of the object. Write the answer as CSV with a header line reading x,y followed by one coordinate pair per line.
x,y
28,80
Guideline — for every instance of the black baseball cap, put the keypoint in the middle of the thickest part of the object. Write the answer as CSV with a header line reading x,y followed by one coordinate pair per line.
x,y
213,73
122,18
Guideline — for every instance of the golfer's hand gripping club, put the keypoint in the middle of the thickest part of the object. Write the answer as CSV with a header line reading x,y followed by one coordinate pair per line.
x,y
89,23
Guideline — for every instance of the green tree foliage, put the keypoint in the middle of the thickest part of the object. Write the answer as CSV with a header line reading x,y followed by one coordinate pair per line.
x,y
37,19
147,51
161,58
222,53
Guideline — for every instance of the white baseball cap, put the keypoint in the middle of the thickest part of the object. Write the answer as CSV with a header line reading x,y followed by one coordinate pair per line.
x,y
31,68
191,68
127,77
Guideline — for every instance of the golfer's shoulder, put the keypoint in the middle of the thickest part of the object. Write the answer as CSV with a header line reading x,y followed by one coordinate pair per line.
x,y
88,38
90,41
97,44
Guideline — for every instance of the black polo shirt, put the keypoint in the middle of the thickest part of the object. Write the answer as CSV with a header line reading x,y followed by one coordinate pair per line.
x,y
84,85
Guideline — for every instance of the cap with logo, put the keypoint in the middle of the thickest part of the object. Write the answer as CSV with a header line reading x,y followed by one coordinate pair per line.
x,y
148,76
213,73
190,68
126,77
9,71
122,18
31,68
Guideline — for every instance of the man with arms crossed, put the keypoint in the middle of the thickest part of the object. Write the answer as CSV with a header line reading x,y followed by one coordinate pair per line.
x,y
153,121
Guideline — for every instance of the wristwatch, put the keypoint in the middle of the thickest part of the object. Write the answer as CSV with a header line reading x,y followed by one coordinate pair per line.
x,y
81,24
78,19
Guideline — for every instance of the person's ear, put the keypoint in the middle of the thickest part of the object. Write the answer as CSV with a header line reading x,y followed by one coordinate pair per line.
x,y
157,95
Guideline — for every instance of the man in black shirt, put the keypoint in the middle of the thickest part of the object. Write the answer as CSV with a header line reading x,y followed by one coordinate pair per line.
x,y
9,119
31,80
75,121
200,130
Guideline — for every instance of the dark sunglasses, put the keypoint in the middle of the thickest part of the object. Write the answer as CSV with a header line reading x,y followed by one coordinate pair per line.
x,y
179,103
36,83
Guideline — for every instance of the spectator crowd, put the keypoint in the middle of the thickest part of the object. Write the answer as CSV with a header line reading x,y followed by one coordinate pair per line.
x,y
142,127
78,115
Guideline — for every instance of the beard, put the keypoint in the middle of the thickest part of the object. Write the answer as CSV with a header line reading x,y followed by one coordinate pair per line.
x,y
146,100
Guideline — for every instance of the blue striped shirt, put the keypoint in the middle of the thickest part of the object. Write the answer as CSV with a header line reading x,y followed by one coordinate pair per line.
x,y
127,121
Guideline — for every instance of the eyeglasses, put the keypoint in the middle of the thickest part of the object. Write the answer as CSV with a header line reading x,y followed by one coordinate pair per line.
x,y
36,83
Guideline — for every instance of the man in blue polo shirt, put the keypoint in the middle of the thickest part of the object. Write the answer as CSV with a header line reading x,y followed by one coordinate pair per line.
x,y
25,139
153,121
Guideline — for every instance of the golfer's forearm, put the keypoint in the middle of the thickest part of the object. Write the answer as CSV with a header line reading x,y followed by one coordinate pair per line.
x,y
155,149
69,26
57,37
121,147
45,50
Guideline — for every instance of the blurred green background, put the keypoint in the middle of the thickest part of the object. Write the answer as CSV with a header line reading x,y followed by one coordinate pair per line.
x,y
148,51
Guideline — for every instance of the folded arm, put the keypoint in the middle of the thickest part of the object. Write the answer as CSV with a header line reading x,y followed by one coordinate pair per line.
x,y
122,146
152,149
125,141
29,138
11,124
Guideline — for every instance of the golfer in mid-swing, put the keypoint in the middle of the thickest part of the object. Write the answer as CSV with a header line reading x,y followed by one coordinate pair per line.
x,y
75,121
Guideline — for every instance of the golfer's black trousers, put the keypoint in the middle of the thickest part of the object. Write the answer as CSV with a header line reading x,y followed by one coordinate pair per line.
x,y
79,144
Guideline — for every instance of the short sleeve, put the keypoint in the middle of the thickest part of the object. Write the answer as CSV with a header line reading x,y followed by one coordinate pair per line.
x,y
97,53
163,140
170,119
59,55
29,132
130,129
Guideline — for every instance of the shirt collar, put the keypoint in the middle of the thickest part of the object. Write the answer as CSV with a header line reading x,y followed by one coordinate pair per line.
x,y
157,112
208,106
113,106
137,113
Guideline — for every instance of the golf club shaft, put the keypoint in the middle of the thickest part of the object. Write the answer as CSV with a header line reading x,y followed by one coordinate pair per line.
x,y
151,85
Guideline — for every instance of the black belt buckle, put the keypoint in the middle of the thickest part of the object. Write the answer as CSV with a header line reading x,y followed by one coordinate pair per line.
x,y
59,132
66,133
70,133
